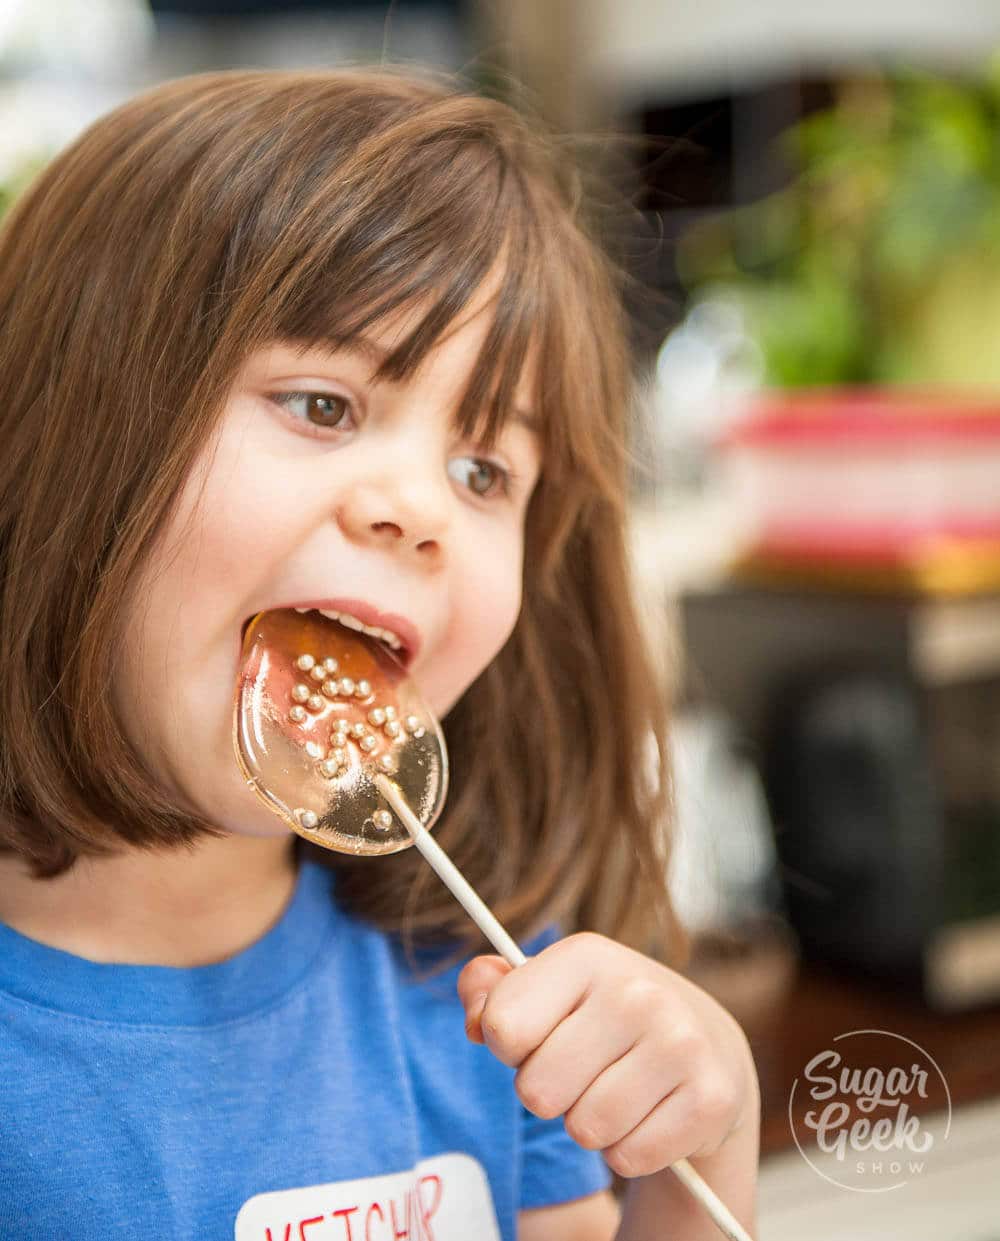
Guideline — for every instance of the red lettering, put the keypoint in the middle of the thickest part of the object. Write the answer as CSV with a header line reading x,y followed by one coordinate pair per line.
x,y
396,1234
368,1219
345,1212
288,1233
427,1211
306,1223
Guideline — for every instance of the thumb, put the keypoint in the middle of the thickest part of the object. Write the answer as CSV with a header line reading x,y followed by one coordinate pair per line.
x,y
477,979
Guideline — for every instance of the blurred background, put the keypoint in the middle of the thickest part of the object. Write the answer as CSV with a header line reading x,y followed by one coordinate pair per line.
x,y
808,201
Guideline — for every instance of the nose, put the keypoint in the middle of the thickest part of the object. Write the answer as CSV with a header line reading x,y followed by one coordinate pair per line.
x,y
398,511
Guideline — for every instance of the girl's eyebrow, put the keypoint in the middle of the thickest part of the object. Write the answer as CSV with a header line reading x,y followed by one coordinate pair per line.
x,y
376,354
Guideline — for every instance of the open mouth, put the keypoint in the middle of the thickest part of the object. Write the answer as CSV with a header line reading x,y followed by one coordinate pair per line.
x,y
398,646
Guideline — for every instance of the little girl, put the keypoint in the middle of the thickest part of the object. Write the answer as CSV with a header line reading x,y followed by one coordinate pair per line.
x,y
337,340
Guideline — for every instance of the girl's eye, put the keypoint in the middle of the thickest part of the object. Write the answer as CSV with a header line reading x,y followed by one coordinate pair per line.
x,y
483,476
323,410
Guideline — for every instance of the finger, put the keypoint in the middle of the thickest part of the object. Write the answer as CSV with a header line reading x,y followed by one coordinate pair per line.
x,y
476,980
623,1095
576,1054
680,1125
524,1008
478,977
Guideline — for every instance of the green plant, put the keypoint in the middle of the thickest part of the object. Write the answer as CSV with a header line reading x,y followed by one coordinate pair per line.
x,y
880,262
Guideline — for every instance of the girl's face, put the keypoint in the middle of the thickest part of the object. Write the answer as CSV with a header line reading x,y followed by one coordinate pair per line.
x,y
322,485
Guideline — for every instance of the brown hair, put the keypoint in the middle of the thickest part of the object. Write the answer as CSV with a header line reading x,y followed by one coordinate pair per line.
x,y
215,213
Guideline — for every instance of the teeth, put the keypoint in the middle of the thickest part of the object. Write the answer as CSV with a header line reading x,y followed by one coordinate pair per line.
x,y
352,622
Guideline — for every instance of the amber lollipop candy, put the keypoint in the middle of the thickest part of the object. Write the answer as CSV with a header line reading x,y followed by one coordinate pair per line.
x,y
332,735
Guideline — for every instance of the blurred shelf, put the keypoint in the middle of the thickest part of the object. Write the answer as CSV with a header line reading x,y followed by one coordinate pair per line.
x,y
642,47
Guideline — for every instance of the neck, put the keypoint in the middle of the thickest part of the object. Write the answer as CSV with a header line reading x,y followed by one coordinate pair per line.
x,y
181,908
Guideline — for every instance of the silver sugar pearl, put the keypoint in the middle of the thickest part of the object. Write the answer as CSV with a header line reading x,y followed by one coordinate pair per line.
x,y
330,664
301,692
358,730
376,716
412,723
390,713
392,728
330,688
297,715
316,702
314,749
346,686
318,673
368,743
307,818
330,768
304,662
387,763
382,820
363,689
338,755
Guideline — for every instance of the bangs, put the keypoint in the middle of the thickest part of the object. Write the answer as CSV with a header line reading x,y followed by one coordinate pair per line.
x,y
458,221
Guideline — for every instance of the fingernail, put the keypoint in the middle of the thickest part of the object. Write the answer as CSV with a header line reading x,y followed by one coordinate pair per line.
x,y
475,1010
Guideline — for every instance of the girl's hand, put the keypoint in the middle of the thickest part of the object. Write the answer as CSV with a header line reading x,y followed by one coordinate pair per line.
x,y
646,1066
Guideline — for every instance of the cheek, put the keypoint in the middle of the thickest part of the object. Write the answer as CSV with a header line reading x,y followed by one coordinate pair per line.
x,y
488,612
235,520
485,609
237,516
175,682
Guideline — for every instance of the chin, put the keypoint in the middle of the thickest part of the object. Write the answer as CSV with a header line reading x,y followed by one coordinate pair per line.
x,y
260,824
280,832
233,807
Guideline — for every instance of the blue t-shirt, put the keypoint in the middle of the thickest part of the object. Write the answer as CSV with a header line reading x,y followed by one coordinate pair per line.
x,y
309,1088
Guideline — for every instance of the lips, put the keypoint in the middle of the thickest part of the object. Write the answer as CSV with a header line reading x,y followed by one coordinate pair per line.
x,y
368,614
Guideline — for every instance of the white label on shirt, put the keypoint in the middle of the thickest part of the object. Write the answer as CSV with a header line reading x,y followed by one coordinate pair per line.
x,y
446,1198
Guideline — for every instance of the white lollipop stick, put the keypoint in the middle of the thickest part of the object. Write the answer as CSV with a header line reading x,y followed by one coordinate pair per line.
x,y
477,910
451,876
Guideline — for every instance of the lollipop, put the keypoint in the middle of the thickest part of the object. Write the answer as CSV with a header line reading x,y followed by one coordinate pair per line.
x,y
332,735
320,712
